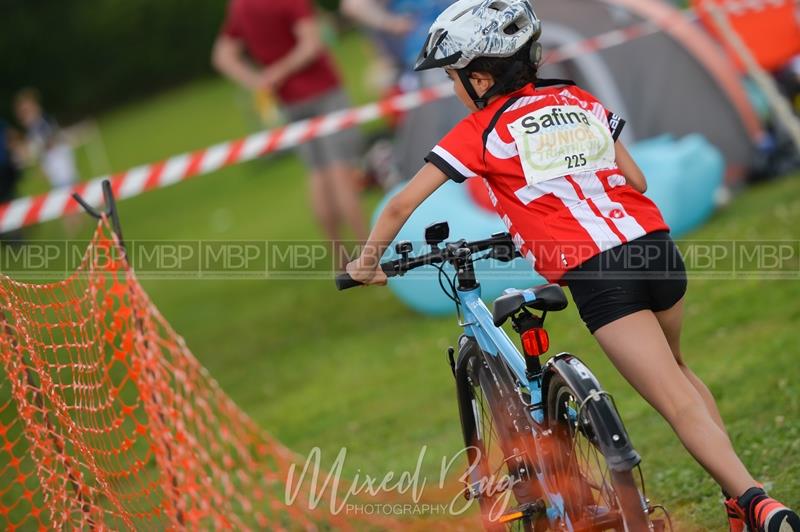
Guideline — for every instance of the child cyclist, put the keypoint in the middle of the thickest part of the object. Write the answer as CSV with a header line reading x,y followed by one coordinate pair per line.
x,y
572,197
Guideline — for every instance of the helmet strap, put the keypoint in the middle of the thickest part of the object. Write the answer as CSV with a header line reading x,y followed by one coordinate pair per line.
x,y
536,53
482,101
479,101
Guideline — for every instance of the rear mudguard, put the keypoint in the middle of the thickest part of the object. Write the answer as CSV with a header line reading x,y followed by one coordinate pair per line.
x,y
612,438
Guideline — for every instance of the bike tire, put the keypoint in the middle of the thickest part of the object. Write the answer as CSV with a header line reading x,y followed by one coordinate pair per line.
x,y
582,472
495,419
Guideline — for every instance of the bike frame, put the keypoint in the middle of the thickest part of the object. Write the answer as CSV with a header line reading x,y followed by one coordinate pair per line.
x,y
483,338
478,324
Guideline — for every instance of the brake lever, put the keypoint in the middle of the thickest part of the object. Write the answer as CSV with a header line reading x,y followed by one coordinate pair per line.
x,y
392,269
400,267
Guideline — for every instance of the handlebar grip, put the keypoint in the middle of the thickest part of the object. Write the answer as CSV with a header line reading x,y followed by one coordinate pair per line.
x,y
345,282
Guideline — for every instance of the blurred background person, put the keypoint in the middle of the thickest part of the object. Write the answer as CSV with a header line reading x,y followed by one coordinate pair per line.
x,y
45,141
47,145
276,46
400,28
388,27
770,31
9,172
789,82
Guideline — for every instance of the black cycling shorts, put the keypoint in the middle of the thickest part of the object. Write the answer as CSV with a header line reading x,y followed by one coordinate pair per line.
x,y
644,274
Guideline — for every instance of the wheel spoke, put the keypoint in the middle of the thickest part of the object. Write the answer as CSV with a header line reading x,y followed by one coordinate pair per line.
x,y
494,455
499,421
489,432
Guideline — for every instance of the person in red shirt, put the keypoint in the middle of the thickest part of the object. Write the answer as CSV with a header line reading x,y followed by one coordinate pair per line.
x,y
275,45
573,200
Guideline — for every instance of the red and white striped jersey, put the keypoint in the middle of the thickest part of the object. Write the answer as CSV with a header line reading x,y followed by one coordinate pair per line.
x,y
560,222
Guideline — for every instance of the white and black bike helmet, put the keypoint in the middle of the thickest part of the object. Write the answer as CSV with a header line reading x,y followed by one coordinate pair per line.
x,y
470,29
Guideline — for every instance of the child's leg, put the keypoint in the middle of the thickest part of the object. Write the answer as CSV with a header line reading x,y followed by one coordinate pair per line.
x,y
671,322
636,345
324,211
347,198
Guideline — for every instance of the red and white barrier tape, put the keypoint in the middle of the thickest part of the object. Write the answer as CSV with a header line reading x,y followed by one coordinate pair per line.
x,y
53,205
601,42
27,211
614,38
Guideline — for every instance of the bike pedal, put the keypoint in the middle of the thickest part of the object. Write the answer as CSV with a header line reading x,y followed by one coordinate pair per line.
x,y
524,511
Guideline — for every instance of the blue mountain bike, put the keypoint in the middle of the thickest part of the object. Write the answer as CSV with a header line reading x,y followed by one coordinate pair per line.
x,y
546,436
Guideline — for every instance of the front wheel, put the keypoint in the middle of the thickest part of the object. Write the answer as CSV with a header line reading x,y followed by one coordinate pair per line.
x,y
596,497
497,432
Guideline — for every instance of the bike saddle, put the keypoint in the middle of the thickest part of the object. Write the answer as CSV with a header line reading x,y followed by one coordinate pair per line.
x,y
549,297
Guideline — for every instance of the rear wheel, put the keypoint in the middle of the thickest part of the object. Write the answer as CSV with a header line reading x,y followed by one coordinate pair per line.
x,y
498,433
595,497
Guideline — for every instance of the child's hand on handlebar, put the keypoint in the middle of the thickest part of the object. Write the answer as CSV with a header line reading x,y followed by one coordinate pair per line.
x,y
365,274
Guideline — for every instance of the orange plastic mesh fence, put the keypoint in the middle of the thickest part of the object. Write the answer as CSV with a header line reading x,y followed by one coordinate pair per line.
x,y
108,421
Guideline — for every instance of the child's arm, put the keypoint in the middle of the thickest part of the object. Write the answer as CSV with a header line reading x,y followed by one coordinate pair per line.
x,y
374,15
366,269
633,174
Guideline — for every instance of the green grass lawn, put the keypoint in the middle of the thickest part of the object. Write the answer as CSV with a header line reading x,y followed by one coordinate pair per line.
x,y
358,370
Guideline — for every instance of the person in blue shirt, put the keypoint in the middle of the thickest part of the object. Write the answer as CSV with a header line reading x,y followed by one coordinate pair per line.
x,y
400,28
423,13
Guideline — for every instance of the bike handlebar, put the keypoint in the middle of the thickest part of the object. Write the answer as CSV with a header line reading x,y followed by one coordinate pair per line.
x,y
500,242
345,282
